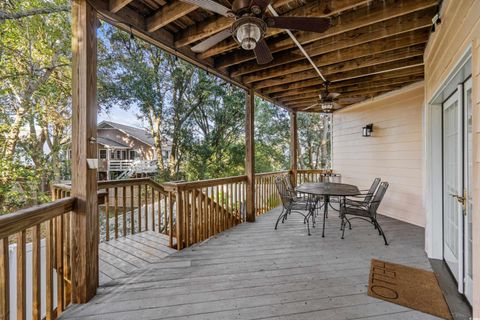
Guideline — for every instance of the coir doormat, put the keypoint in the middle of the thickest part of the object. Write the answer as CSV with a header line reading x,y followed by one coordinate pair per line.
x,y
410,287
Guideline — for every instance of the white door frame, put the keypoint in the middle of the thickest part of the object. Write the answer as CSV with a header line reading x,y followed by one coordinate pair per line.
x,y
455,260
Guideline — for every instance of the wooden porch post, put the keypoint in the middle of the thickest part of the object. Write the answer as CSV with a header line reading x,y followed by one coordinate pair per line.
x,y
84,146
250,154
293,146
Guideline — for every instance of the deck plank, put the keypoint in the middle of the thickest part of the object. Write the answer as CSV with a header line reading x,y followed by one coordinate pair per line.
x,y
254,272
134,252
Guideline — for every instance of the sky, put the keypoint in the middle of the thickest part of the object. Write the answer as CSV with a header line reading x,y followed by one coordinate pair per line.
x,y
128,117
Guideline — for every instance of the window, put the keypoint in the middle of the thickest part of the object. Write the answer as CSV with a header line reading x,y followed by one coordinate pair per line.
x,y
103,154
124,154
112,155
133,154
119,155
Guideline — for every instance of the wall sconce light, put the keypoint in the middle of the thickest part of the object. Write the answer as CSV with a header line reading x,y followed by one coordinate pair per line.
x,y
367,130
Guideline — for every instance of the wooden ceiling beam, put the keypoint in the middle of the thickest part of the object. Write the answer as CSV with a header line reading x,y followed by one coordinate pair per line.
x,y
280,96
169,13
377,51
413,70
333,76
380,11
361,97
316,8
117,5
376,32
347,90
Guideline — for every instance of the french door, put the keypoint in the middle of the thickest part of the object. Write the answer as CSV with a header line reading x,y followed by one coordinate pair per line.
x,y
457,199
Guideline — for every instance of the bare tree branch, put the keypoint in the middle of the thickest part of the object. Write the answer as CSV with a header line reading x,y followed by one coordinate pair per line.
x,y
28,13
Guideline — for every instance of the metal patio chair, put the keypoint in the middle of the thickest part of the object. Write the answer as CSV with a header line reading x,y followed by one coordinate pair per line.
x,y
365,197
368,213
290,202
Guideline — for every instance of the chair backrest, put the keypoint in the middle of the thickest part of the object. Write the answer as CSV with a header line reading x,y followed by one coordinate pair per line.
x,y
372,190
288,183
377,198
285,195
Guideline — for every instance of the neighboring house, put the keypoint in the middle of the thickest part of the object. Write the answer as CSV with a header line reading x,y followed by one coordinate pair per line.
x,y
125,151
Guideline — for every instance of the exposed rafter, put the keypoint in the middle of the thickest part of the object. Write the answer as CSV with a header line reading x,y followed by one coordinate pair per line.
x,y
372,45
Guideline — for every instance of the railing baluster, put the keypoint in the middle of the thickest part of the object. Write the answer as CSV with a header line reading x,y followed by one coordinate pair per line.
x,y
59,262
161,198
146,206
124,205
132,211
107,215
153,209
186,209
4,280
66,259
36,273
170,219
139,213
21,276
49,269
115,211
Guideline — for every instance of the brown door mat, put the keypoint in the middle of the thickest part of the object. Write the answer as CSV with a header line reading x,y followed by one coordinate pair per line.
x,y
410,287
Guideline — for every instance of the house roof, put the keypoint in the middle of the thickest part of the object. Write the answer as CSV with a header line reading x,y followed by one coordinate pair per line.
x,y
111,143
137,133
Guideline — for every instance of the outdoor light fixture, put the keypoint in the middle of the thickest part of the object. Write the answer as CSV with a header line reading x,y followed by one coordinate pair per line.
x,y
367,130
248,31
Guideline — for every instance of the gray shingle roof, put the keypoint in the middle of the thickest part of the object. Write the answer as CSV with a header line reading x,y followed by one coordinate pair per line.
x,y
111,143
138,133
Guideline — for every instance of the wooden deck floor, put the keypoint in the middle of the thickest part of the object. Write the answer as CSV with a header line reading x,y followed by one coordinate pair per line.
x,y
254,272
126,255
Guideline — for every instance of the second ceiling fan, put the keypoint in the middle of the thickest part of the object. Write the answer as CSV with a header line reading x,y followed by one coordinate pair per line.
x,y
251,23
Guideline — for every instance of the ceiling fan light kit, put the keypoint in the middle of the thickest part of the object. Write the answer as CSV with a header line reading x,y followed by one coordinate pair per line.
x,y
251,24
248,31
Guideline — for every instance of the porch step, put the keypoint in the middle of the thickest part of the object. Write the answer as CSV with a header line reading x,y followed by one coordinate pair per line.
x,y
128,254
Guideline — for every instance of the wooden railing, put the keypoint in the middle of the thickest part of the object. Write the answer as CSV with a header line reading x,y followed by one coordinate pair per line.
x,y
205,208
45,231
188,212
311,175
266,195
130,206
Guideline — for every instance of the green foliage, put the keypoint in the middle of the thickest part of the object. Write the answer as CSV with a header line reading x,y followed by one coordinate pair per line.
x,y
35,90
272,137
314,130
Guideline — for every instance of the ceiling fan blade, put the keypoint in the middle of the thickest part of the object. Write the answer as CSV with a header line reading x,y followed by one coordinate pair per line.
x,y
262,52
337,106
312,106
210,6
333,95
351,100
213,40
262,4
313,24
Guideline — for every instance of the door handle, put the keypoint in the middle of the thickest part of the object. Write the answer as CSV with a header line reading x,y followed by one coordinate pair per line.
x,y
460,199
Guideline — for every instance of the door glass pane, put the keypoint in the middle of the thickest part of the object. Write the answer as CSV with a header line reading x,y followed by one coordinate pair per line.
x,y
451,164
468,175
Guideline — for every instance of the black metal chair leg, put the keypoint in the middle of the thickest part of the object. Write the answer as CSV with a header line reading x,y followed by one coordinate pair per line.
x,y
282,217
344,224
382,233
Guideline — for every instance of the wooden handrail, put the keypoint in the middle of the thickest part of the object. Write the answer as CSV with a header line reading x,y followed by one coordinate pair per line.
x,y
271,174
26,218
185,185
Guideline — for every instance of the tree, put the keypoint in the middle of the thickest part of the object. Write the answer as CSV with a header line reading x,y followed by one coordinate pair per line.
x,y
272,137
34,96
314,145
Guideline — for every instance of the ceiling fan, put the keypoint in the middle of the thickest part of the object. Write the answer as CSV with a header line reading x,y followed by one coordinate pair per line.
x,y
328,100
251,23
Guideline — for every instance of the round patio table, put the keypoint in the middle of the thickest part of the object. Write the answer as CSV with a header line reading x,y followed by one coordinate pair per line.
x,y
325,190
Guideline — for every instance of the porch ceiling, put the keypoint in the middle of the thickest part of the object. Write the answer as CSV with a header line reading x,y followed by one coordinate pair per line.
x,y
372,47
